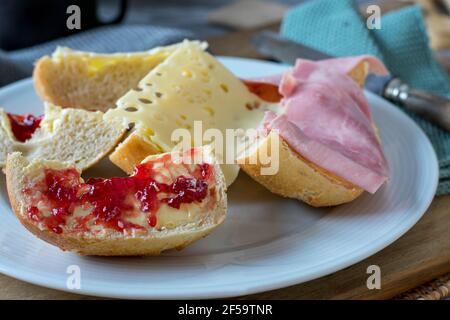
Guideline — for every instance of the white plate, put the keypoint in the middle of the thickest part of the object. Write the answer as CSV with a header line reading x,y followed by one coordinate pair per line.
x,y
266,242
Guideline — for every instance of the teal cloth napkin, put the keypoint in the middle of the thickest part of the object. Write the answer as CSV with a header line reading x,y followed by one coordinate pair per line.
x,y
336,27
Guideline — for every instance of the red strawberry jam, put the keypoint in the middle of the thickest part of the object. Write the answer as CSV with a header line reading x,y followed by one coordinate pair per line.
x,y
110,200
266,91
24,125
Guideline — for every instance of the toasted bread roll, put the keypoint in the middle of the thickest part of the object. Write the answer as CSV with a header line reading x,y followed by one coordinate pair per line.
x,y
164,205
76,136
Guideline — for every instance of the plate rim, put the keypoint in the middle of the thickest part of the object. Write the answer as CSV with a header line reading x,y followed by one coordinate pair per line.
x,y
222,291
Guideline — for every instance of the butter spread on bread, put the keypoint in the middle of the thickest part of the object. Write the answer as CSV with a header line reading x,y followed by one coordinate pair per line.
x,y
167,203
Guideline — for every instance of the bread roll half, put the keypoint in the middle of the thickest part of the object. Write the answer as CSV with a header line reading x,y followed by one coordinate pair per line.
x,y
164,205
86,80
77,136
298,177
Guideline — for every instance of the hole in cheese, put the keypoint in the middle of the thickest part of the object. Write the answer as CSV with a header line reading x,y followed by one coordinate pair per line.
x,y
146,101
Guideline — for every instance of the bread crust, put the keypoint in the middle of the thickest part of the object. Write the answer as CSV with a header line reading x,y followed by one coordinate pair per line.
x,y
132,151
299,178
360,72
151,244
40,79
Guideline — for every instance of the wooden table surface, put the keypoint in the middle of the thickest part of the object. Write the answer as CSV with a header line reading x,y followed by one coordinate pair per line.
x,y
421,255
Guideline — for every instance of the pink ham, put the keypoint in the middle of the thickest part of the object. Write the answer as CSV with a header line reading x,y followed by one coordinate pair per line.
x,y
326,118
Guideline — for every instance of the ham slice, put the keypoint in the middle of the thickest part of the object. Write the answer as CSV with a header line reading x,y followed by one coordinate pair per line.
x,y
326,118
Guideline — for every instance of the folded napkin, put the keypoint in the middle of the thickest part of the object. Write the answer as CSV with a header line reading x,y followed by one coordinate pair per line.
x,y
15,65
336,27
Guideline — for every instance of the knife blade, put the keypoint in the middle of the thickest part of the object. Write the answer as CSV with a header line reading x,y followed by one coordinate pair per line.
x,y
434,108
273,45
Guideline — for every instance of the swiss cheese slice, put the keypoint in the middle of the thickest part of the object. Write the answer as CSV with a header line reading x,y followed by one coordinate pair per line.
x,y
190,85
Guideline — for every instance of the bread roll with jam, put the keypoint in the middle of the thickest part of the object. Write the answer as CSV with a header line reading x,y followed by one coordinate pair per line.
x,y
166,203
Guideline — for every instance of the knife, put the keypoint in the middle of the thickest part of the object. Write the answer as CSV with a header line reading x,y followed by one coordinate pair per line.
x,y
434,108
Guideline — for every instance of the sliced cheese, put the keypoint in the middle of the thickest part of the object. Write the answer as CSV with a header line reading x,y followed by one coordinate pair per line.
x,y
190,85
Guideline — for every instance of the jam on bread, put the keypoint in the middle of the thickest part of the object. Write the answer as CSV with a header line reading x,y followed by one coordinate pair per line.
x,y
24,125
159,188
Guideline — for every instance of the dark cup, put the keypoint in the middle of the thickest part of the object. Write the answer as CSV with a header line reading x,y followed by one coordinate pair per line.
x,y
24,23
